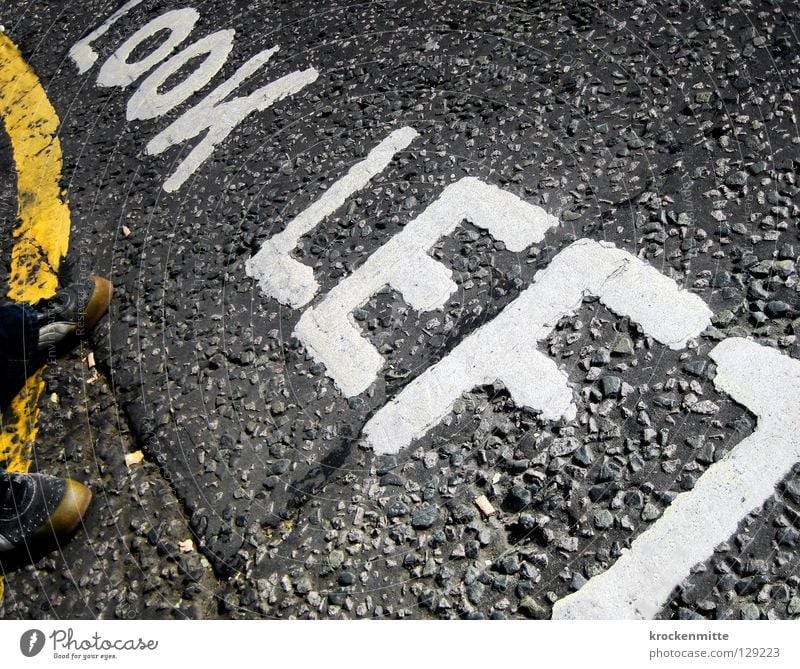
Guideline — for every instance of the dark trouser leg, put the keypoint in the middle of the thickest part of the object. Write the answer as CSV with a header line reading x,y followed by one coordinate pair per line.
x,y
19,339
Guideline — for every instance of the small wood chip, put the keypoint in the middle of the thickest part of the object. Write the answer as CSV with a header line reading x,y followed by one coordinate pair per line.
x,y
126,231
90,359
485,506
186,546
134,458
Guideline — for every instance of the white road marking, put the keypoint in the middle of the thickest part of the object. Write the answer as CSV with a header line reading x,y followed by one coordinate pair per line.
x,y
532,379
150,101
118,71
289,281
639,584
217,116
82,53
506,348
329,331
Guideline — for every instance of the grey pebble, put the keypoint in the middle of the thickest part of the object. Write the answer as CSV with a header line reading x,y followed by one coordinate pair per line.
x,y
424,517
623,346
518,498
603,519
610,385
749,611
584,455
508,564
792,490
650,512
787,536
736,179
777,309
532,609
346,578
397,509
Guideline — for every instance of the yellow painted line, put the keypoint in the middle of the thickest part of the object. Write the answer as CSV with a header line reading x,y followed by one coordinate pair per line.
x,y
42,234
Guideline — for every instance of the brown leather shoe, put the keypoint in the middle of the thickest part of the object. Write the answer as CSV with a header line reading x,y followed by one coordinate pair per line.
x,y
73,311
36,508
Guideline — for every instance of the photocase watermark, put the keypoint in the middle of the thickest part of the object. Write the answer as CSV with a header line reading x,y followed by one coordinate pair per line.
x,y
65,645
31,643
443,60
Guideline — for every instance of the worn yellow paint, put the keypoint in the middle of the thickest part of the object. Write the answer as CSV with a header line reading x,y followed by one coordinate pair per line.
x,y
20,425
42,234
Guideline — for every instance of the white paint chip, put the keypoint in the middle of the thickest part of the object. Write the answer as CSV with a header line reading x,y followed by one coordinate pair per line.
x,y
768,384
505,349
329,331
289,281
483,503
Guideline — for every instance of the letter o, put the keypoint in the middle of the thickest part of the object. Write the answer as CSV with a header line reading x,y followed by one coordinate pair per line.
x,y
117,71
147,102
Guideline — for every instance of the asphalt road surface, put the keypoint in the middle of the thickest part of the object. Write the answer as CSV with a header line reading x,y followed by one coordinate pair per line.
x,y
425,309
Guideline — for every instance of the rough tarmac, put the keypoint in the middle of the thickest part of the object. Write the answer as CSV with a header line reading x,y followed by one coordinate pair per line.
x,y
666,128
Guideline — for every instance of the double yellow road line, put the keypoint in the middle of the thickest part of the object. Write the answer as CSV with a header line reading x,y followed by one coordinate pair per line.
x,y
41,238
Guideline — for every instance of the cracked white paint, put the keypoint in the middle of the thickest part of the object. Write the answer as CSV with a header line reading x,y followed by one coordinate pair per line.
x,y
506,348
82,53
119,70
289,281
150,100
640,583
218,114
329,330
